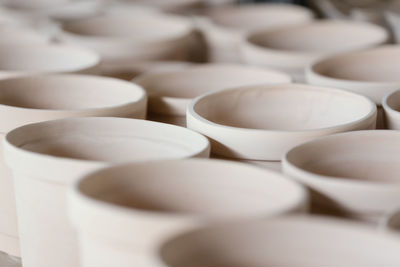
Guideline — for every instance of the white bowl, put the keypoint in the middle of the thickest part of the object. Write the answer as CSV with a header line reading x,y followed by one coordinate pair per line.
x,y
47,157
391,107
171,92
351,174
137,206
28,59
293,48
288,241
119,37
263,122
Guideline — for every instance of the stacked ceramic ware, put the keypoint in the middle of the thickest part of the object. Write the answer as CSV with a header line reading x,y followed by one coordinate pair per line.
x,y
170,133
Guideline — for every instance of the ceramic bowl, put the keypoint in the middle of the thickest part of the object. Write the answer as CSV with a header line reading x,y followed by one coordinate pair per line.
x,y
352,174
372,73
135,214
171,92
28,59
287,241
118,37
293,48
47,157
391,107
263,122
226,26
31,99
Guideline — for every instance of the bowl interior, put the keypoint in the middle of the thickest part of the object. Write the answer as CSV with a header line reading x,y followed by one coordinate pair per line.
x,y
190,187
196,81
321,37
364,156
375,65
143,28
67,92
46,58
281,242
108,140
283,107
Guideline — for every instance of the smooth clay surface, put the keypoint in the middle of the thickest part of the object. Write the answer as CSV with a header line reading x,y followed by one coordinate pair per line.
x,y
26,59
262,122
283,242
350,174
293,48
391,107
47,157
134,214
171,92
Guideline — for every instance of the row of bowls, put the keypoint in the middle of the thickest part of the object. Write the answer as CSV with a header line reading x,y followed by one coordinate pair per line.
x,y
123,213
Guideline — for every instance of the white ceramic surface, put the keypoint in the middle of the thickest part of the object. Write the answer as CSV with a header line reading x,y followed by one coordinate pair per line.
x,y
28,59
11,35
45,158
351,174
391,107
134,213
284,242
25,100
391,222
119,37
171,92
263,122
227,25
293,48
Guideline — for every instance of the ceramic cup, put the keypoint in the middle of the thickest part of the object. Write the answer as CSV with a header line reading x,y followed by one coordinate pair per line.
x,y
262,122
352,175
171,92
45,158
225,27
293,48
135,214
391,108
373,73
288,241
30,99
119,37
28,59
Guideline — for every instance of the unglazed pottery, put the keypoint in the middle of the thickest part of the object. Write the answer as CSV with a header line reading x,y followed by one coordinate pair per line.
x,y
129,70
391,107
227,26
171,92
373,73
354,174
391,222
74,10
11,35
120,37
28,59
25,100
285,242
293,48
263,122
134,213
45,158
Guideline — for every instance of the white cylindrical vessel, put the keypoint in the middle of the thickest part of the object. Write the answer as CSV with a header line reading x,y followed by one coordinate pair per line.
x,y
171,92
139,205
353,175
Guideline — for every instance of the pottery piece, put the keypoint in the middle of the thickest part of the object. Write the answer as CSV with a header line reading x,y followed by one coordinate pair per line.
x,y
29,59
227,26
171,92
11,35
373,73
130,70
135,214
391,222
293,48
74,10
30,99
289,241
45,158
119,38
391,107
353,175
263,122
